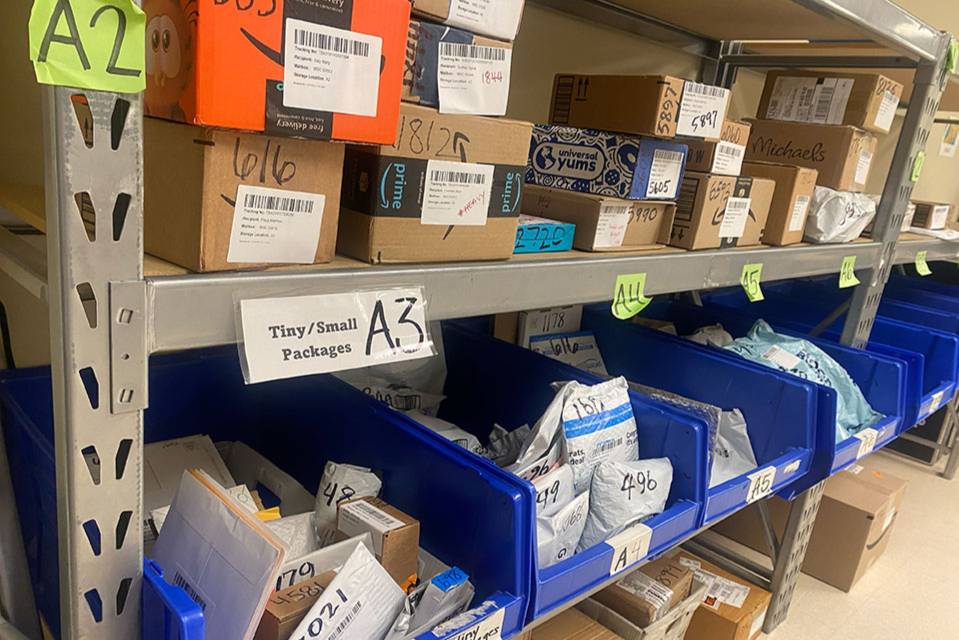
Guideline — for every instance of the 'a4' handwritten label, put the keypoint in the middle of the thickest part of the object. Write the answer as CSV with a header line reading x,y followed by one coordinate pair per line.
x,y
629,547
297,336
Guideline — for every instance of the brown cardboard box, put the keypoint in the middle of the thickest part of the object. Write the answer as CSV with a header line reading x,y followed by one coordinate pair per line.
x,y
703,211
724,157
932,215
720,619
865,100
791,201
841,154
384,190
603,223
396,535
192,178
572,625
645,595
644,105
858,509
286,608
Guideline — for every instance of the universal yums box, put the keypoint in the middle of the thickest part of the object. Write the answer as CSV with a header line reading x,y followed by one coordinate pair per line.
x,y
324,69
448,190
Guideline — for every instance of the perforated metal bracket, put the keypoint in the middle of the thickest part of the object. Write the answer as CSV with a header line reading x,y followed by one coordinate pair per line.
x,y
128,347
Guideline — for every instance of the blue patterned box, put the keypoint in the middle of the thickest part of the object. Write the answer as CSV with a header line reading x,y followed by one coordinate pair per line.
x,y
604,163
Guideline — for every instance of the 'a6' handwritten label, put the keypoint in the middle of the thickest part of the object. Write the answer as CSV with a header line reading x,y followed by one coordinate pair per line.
x,y
489,628
760,484
629,547
290,337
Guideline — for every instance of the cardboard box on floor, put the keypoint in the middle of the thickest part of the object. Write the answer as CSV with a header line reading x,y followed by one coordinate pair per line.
x,y
732,609
792,199
865,100
640,105
216,200
859,507
572,625
603,223
323,70
706,219
841,154
391,215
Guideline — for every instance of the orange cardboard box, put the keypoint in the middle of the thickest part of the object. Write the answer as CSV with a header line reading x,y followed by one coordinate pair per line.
x,y
324,69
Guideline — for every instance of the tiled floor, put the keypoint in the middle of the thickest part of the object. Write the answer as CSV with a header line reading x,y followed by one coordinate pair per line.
x,y
911,593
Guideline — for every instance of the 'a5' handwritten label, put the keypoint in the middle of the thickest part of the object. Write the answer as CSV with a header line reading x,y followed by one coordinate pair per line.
x,y
297,336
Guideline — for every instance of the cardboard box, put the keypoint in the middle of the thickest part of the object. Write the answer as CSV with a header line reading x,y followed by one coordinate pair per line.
x,y
604,224
671,626
865,100
396,535
732,609
542,235
605,164
420,74
216,63
541,322
286,608
724,157
791,201
572,625
448,190
217,200
856,515
640,105
506,326
932,215
499,19
645,595
720,211
841,154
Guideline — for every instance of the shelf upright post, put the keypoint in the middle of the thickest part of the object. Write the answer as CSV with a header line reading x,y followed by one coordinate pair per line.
x,y
94,194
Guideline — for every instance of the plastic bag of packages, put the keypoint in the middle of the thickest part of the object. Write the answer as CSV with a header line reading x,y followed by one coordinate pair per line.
x,y
451,432
623,493
805,360
711,336
504,446
838,216
340,482
557,536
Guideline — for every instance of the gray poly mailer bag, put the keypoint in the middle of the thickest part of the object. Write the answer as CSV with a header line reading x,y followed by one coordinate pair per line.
x,y
554,490
340,482
623,493
838,216
732,452
557,536
450,431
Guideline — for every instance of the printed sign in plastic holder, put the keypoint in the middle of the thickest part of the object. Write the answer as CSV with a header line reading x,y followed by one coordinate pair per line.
x,y
287,337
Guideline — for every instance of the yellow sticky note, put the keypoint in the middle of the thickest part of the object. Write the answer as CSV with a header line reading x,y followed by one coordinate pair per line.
x,y
90,44
847,273
917,166
752,274
628,295
922,267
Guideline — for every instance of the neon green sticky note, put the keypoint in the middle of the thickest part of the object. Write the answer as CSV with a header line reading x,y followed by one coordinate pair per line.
x,y
917,165
952,58
628,296
91,44
847,273
752,274
922,267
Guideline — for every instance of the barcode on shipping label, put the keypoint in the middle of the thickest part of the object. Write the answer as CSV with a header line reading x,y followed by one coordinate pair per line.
x,y
330,69
497,18
611,225
862,166
629,547
728,159
456,193
356,518
275,226
887,111
779,356
940,216
734,218
664,174
797,219
473,79
702,110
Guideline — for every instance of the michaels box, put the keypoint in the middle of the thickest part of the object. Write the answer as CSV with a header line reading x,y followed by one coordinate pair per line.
x,y
494,18
324,69
455,70
605,164
448,190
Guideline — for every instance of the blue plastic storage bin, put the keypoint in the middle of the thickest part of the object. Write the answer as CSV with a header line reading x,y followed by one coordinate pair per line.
x,y
803,305
881,379
490,381
475,517
780,410
167,613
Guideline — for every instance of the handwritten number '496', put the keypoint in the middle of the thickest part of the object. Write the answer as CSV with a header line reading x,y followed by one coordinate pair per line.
x,y
65,10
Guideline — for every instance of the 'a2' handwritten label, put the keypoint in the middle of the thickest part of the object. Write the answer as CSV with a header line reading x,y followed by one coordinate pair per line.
x,y
304,335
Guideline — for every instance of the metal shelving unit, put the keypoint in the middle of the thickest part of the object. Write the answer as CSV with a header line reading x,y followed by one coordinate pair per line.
x,y
107,317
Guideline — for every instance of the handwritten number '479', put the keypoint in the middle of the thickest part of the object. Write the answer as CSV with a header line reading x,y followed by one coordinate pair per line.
x,y
379,326
65,10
